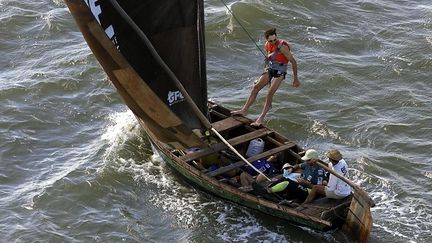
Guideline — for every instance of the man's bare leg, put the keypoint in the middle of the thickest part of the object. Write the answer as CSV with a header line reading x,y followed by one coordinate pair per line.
x,y
275,83
262,81
246,179
316,189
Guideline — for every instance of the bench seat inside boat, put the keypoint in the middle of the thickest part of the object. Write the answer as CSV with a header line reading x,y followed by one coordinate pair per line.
x,y
327,208
226,124
240,163
229,123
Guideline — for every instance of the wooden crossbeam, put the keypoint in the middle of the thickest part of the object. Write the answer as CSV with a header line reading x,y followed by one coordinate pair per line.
x,y
221,146
250,159
226,124
218,114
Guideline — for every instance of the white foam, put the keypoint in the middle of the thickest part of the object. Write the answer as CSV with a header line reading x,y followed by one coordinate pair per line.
x,y
163,187
429,40
244,227
400,216
123,126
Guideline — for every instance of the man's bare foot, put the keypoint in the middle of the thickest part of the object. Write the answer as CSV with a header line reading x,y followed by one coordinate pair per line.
x,y
239,113
301,207
255,124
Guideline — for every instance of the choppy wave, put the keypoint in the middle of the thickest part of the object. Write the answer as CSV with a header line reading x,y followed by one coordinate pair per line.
x,y
77,167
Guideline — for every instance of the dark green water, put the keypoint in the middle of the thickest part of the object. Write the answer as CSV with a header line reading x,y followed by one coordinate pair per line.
x,y
75,166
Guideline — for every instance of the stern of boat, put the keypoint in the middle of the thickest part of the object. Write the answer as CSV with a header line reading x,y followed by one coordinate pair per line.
x,y
359,221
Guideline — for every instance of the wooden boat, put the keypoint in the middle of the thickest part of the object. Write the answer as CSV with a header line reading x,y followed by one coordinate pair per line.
x,y
154,54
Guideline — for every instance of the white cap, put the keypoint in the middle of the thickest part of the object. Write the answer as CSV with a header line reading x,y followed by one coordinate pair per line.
x,y
310,154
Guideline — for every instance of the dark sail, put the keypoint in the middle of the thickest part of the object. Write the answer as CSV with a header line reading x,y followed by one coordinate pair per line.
x,y
175,29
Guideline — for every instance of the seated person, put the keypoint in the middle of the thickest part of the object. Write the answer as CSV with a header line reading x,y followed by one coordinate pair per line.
x,y
299,187
336,188
313,174
263,165
209,163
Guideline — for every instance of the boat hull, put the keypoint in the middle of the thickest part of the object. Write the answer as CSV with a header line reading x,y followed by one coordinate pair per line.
x,y
222,190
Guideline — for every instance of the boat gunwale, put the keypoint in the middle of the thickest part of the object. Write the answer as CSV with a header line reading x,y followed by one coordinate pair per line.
x,y
214,186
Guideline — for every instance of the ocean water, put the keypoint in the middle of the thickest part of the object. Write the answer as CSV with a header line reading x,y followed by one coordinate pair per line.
x,y
76,167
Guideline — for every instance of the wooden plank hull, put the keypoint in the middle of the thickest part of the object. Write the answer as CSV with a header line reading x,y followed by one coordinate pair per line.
x,y
316,216
359,219
219,189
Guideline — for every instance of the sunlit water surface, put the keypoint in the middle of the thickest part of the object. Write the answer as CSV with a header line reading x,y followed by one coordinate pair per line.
x,y
76,167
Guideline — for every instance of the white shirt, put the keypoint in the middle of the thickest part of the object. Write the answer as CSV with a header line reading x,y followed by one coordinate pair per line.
x,y
338,186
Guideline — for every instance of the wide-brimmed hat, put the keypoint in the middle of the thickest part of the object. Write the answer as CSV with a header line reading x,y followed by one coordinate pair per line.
x,y
310,154
286,165
334,154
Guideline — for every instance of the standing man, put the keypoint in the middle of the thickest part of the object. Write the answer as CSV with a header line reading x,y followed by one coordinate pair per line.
x,y
278,57
336,188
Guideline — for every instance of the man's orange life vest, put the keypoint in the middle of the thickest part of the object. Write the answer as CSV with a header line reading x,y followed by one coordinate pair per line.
x,y
274,51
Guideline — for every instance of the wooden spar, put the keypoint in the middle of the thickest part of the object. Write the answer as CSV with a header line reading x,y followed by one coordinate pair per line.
x,y
160,61
196,110
237,153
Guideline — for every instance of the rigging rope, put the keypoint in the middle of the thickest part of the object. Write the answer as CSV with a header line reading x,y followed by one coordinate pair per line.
x,y
177,82
238,21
